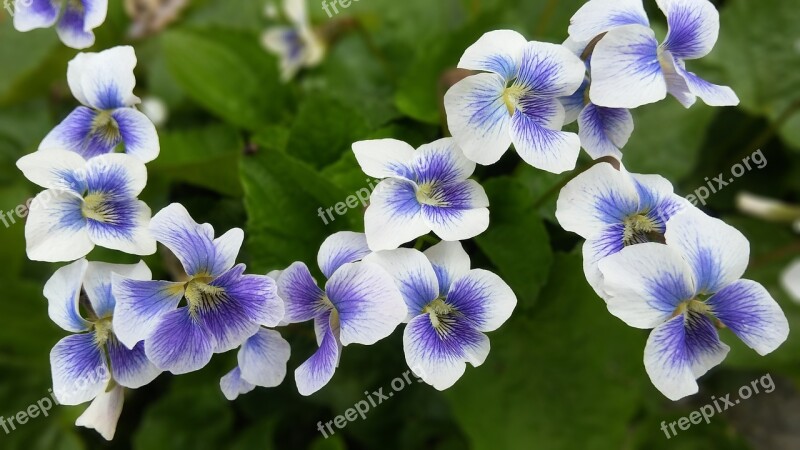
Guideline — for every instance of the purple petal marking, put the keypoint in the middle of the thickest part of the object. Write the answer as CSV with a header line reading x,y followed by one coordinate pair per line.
x,y
140,306
542,147
233,385
72,27
76,133
341,248
604,131
441,162
256,294
484,299
318,370
180,343
300,293
79,369
130,367
550,70
32,14
693,27
752,314
137,133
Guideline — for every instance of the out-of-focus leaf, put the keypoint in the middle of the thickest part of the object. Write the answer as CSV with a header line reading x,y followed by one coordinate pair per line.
x,y
516,241
228,73
22,54
568,377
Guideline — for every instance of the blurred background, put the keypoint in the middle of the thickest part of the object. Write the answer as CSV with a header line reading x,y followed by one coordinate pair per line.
x,y
239,147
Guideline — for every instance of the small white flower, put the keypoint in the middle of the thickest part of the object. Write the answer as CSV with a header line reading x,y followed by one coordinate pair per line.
x,y
298,45
74,26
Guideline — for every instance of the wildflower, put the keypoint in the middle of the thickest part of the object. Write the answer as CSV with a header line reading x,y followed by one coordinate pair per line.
x,y
74,26
262,362
297,45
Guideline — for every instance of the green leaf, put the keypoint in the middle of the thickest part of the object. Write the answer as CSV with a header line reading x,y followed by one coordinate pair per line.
x,y
516,241
207,157
22,54
228,73
568,377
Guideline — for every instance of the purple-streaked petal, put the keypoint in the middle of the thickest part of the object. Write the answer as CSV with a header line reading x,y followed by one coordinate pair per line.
x,y
537,143
63,291
599,16
599,197
711,94
318,370
496,51
140,306
680,351
72,27
138,134
550,70
79,369
574,104
607,243
103,413
368,303
194,243
645,283
263,358
97,283
413,274
117,174
717,253
130,367
232,385
32,14
180,343
676,83
440,356
604,131
384,158
56,169
441,162
77,133
122,226
752,314
657,200
301,296
693,27
449,261
56,230
104,80
341,248
790,280
483,298
626,72
394,215
479,118
258,295
457,211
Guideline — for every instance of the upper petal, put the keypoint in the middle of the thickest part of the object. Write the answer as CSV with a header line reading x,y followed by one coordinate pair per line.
x,y
263,358
394,215
384,158
484,298
413,275
368,303
341,248
680,351
752,314
693,27
599,197
441,161
98,284
63,291
479,118
550,70
56,169
599,16
103,413
626,72
79,369
449,261
497,51
717,253
104,80
645,283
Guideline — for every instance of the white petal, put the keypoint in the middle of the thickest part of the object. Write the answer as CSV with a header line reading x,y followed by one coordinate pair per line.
x,y
441,161
56,229
544,148
550,70
693,27
132,237
384,158
413,275
55,169
717,252
138,134
394,215
599,16
98,282
790,279
103,413
449,261
341,248
296,11
711,94
232,384
31,14
62,291
79,369
497,51
626,72
263,358
604,131
105,80
646,283
483,298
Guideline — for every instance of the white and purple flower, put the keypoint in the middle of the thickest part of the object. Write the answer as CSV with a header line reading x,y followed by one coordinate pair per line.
x,y
360,304
630,68
298,46
86,203
422,191
92,364
515,101
613,209
221,307
449,308
261,362
74,26
103,83
682,290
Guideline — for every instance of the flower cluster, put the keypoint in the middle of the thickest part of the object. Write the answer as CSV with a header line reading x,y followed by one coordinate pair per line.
x,y
74,19
658,262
